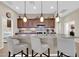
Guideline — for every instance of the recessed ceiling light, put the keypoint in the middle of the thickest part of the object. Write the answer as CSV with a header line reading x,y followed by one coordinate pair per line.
x,y
17,7
51,7
34,7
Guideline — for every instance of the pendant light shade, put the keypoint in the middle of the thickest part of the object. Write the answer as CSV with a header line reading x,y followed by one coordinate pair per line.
x,y
57,19
41,18
57,16
25,18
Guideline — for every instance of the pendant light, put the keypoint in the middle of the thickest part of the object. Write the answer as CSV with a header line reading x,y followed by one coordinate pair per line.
x,y
25,18
41,17
57,16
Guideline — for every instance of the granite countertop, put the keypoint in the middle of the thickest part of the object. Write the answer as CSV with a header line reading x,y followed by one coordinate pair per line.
x,y
35,33
70,37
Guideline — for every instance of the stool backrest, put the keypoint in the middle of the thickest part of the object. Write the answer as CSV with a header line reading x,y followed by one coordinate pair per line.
x,y
36,44
66,45
11,44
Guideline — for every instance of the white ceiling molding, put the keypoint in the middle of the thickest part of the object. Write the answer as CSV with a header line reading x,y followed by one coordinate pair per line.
x,y
65,7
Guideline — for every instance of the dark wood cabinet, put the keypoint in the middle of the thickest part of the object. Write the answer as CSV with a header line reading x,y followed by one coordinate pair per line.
x,y
19,22
34,22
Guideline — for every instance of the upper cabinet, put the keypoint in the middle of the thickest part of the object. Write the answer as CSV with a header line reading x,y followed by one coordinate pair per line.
x,y
19,22
31,23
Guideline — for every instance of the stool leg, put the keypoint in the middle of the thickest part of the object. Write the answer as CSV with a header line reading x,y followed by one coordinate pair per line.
x,y
9,54
76,55
27,52
58,54
22,53
32,53
40,55
48,52
13,55
61,54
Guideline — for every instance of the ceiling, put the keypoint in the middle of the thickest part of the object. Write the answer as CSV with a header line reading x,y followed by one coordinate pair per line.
x,y
49,7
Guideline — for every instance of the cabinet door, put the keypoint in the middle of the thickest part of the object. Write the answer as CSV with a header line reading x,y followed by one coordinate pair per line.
x,y
22,24
19,23
25,24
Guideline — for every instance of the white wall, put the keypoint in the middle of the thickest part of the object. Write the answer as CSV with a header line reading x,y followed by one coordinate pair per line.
x,y
72,17
0,32
3,26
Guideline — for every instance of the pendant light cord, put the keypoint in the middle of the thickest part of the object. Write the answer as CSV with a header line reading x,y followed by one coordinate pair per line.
x,y
24,8
41,9
57,8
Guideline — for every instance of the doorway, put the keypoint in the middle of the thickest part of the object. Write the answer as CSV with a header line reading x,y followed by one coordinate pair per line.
x,y
67,27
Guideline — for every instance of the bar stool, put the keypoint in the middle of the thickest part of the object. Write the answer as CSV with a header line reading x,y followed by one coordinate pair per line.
x,y
16,48
38,47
